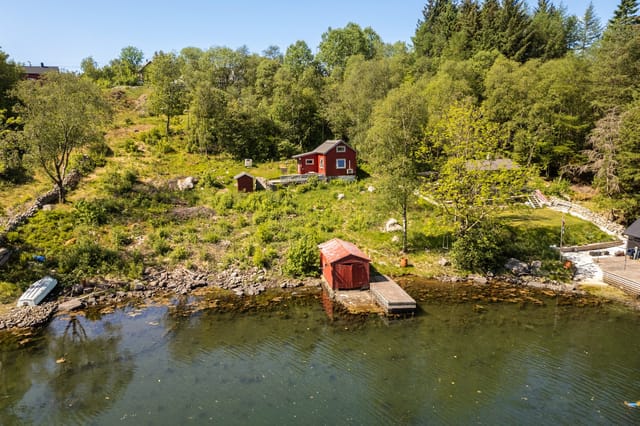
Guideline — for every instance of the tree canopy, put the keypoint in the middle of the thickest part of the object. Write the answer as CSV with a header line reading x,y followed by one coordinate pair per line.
x,y
61,114
542,78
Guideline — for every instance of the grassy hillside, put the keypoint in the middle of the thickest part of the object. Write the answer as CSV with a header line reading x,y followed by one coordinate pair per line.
x,y
128,214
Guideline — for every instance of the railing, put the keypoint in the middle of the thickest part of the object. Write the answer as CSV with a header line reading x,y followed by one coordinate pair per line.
x,y
625,284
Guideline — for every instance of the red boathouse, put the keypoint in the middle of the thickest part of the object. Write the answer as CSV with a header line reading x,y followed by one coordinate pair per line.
x,y
344,266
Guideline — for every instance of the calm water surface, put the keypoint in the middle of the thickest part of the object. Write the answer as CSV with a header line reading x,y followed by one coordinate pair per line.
x,y
451,364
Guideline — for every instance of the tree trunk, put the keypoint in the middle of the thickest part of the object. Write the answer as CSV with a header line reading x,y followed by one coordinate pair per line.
x,y
404,228
168,122
61,194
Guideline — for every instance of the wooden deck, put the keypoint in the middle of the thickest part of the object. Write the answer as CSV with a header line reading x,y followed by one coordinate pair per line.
x,y
620,272
390,295
383,296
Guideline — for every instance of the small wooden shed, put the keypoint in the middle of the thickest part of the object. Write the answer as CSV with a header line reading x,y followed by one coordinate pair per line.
x,y
344,266
245,182
633,235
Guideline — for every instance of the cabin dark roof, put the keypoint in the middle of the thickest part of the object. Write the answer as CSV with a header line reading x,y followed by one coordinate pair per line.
x,y
492,165
323,148
633,230
337,249
40,70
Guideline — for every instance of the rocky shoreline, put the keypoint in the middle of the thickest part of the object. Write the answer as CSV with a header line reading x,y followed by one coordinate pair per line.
x,y
155,284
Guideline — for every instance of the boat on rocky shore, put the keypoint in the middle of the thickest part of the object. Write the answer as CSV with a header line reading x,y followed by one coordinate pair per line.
x,y
37,291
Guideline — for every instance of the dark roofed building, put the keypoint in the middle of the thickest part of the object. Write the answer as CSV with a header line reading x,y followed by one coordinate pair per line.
x,y
492,165
36,73
633,235
331,159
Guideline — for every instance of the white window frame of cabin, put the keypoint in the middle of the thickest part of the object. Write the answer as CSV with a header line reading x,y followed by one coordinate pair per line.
x,y
341,148
309,162
322,163
344,163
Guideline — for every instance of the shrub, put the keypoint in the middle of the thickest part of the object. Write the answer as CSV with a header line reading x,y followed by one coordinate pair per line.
x,y
120,238
131,146
134,267
224,201
263,257
179,253
161,247
87,257
210,180
211,237
302,258
90,213
119,183
152,137
159,241
480,249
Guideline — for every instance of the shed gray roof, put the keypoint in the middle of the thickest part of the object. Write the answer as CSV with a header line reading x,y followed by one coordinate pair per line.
x,y
40,70
323,148
633,230
492,165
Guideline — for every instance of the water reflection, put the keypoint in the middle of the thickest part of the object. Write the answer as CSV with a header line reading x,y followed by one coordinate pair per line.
x,y
453,364
69,378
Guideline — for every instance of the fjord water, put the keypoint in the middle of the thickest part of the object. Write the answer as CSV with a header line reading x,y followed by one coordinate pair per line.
x,y
450,364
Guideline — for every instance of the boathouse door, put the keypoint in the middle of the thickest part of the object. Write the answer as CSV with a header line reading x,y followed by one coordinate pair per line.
x,y
350,276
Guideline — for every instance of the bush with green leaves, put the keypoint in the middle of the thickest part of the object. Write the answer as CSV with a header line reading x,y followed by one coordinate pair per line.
x,y
87,257
481,249
151,137
119,183
303,258
264,257
90,213
211,180
131,146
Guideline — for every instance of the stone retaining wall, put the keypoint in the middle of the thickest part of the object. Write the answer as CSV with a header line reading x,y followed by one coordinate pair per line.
x,y
577,210
70,182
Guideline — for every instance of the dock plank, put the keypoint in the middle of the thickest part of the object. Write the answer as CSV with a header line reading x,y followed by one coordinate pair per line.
x,y
390,295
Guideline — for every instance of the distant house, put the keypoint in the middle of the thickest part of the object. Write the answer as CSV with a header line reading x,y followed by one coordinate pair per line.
x,y
492,165
344,266
245,182
633,235
333,158
36,73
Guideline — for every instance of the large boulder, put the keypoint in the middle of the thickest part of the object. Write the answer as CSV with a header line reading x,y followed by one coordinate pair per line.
x,y
517,267
392,225
187,183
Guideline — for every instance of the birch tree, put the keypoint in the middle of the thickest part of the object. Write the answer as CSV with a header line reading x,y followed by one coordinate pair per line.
x,y
394,144
61,114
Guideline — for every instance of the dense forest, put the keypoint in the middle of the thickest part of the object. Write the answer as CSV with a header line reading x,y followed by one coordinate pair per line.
x,y
554,92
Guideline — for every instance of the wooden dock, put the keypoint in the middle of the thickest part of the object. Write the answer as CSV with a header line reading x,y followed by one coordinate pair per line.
x,y
388,294
383,296
620,272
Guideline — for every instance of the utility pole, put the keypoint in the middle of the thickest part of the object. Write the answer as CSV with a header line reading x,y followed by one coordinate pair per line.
x,y
561,235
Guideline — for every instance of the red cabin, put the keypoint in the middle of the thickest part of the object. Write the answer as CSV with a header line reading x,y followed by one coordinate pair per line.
x,y
331,159
245,182
344,266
